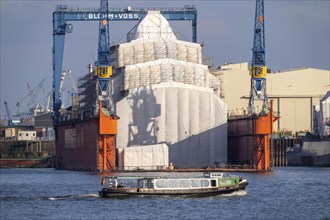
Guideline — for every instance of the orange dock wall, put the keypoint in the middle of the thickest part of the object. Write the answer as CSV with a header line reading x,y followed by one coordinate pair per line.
x,y
249,141
240,141
77,147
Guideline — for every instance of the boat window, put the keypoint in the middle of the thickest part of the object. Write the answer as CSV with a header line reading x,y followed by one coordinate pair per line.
x,y
173,184
205,183
161,183
150,183
184,183
194,183
144,183
140,184
213,183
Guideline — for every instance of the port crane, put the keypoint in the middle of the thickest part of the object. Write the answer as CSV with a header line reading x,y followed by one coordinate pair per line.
x,y
11,119
7,112
48,103
258,68
74,95
263,122
103,69
62,89
107,117
63,15
74,82
33,94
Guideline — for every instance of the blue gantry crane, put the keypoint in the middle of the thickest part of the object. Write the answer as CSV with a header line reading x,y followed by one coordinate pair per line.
x,y
63,15
258,68
103,69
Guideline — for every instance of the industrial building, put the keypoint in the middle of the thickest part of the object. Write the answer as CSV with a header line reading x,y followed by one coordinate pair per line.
x,y
295,94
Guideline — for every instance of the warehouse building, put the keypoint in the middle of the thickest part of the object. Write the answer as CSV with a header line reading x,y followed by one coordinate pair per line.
x,y
295,93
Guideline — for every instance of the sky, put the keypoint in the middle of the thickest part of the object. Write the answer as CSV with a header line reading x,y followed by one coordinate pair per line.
x,y
297,35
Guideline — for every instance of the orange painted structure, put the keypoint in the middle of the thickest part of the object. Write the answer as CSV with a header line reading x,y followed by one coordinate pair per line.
x,y
249,141
106,142
87,144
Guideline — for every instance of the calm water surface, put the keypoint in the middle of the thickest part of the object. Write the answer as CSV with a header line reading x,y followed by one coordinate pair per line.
x,y
286,193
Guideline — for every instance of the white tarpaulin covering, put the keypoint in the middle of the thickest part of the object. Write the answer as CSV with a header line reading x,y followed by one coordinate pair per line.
x,y
170,97
191,120
158,48
165,70
149,157
154,40
154,26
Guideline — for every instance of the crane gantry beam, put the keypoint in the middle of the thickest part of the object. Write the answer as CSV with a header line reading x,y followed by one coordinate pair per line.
x,y
60,27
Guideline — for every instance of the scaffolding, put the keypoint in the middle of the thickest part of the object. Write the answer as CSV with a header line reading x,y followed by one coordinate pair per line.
x,y
154,55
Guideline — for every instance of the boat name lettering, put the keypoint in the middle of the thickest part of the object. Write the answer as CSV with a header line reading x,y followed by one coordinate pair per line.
x,y
113,16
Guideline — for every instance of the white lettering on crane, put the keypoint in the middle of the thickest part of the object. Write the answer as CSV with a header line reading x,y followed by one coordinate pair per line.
x,y
98,16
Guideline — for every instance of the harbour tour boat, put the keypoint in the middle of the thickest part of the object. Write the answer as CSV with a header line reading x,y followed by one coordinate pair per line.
x,y
209,185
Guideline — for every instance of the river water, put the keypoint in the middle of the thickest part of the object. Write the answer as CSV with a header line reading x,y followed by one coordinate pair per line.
x,y
285,193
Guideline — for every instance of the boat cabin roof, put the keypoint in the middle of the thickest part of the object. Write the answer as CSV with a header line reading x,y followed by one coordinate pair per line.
x,y
206,175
